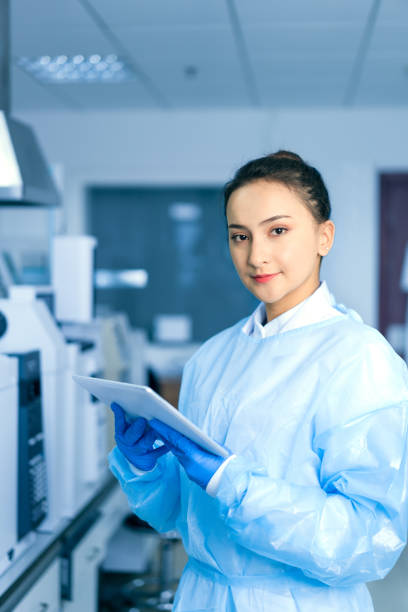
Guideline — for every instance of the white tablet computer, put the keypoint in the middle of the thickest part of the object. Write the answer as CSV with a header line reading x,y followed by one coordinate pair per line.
x,y
139,400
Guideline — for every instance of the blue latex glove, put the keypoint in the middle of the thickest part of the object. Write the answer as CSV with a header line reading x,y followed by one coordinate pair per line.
x,y
135,440
199,464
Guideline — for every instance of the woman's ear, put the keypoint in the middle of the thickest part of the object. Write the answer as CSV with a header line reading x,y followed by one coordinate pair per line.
x,y
326,237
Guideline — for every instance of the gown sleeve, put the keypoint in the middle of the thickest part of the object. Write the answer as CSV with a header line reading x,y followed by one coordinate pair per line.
x,y
154,496
352,528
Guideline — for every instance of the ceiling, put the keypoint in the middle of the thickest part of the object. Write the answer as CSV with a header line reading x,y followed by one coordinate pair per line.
x,y
247,53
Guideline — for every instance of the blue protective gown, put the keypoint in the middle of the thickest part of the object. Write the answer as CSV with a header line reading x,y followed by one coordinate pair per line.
x,y
315,503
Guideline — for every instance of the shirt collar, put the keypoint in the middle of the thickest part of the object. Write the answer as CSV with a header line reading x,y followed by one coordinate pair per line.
x,y
317,307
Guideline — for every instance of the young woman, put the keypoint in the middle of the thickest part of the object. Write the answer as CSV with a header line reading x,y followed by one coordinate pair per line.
x,y
312,405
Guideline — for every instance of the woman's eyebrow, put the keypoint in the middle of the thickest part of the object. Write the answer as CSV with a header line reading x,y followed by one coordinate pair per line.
x,y
275,218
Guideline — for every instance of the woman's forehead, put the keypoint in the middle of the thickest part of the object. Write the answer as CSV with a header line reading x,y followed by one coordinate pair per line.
x,y
261,200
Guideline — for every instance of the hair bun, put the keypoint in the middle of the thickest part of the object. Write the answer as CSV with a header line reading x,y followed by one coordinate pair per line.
x,y
286,155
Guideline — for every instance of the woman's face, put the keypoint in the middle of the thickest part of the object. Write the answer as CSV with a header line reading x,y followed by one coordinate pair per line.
x,y
272,232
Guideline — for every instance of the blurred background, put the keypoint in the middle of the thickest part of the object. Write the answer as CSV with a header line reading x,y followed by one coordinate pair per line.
x,y
142,110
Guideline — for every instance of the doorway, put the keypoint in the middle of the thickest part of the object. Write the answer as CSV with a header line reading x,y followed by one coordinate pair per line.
x,y
393,234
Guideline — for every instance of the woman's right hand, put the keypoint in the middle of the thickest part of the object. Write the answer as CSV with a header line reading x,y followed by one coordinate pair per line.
x,y
135,440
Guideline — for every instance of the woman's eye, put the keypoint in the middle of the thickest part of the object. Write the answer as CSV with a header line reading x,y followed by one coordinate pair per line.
x,y
279,230
238,237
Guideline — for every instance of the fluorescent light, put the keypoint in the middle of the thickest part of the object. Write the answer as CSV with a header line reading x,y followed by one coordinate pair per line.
x,y
117,279
77,68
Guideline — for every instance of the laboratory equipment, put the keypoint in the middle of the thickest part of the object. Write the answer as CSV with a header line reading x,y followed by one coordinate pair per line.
x,y
85,424
44,594
172,328
119,353
27,325
32,475
116,346
8,272
121,347
72,267
8,459
23,483
26,177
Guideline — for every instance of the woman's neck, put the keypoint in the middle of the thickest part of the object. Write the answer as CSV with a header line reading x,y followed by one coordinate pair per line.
x,y
290,300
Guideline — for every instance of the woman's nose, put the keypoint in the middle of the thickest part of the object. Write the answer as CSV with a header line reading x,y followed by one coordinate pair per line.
x,y
258,255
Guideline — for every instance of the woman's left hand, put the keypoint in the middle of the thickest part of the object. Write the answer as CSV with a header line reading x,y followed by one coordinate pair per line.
x,y
199,464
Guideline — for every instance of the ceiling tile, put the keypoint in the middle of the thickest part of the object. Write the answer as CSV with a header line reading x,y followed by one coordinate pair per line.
x,y
258,12
383,81
298,70
162,12
390,42
216,78
298,41
26,93
393,12
105,96
60,40
212,93
41,14
185,44
308,91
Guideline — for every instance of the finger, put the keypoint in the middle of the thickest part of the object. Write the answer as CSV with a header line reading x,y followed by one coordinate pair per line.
x,y
120,419
170,435
135,431
149,438
165,431
158,452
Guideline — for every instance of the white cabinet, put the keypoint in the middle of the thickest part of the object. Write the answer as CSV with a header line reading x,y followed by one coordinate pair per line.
x,y
44,595
83,562
80,568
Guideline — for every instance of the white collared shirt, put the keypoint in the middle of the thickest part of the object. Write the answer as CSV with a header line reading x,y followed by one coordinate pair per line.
x,y
317,307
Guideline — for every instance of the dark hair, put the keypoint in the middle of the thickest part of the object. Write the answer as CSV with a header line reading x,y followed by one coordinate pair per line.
x,y
290,169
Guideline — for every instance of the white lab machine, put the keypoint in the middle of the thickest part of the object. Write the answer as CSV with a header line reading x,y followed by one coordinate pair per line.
x,y
72,268
28,325
120,352
8,459
121,348
23,483
85,444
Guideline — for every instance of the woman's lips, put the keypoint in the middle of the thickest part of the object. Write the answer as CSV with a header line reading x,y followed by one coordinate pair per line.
x,y
264,278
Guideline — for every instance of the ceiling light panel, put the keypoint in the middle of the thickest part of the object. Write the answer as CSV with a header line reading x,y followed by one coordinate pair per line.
x,y
78,68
